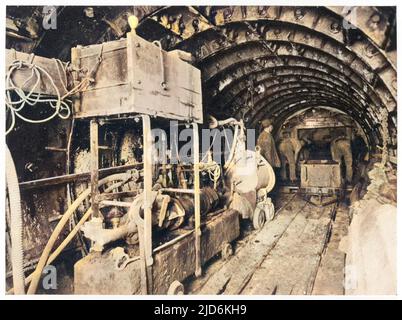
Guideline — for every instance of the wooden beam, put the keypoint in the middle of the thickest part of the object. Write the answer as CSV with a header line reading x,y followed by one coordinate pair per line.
x,y
74,177
147,240
197,205
94,135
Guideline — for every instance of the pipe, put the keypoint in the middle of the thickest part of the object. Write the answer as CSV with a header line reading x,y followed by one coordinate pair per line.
x,y
101,236
15,224
58,229
232,150
214,123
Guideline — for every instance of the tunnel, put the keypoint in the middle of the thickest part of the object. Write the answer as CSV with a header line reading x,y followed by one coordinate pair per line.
x,y
306,69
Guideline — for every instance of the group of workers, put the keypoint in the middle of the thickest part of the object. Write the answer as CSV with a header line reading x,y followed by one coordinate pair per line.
x,y
290,148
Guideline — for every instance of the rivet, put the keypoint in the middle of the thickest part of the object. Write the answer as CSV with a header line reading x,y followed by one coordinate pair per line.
x,y
335,28
299,14
375,18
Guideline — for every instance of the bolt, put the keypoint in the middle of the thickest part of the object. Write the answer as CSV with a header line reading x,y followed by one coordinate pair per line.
x,y
277,32
195,24
335,27
299,14
261,10
89,12
375,18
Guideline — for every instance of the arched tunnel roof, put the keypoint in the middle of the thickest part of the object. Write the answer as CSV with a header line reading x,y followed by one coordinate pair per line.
x,y
260,62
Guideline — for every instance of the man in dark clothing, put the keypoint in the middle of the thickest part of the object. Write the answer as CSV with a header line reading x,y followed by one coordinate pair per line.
x,y
359,148
267,144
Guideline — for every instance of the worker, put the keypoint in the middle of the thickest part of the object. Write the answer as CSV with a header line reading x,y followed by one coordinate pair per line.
x,y
341,149
289,149
267,146
359,148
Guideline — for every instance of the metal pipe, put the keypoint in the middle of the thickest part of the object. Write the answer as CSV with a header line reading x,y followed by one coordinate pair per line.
x,y
185,191
39,183
107,203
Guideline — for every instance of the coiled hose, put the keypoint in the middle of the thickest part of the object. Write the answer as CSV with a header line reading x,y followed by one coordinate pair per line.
x,y
15,224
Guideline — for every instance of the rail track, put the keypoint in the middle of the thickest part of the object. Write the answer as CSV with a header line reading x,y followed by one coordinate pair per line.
x,y
282,258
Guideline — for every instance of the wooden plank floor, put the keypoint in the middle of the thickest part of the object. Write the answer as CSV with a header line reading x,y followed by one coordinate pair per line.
x,y
330,276
282,258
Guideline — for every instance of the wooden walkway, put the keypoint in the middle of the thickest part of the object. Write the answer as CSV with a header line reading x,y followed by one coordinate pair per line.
x,y
282,258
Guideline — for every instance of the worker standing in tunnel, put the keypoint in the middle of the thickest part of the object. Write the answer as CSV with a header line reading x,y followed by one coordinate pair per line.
x,y
341,150
359,148
289,149
266,143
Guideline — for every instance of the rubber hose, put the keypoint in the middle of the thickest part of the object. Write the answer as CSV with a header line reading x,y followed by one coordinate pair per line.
x,y
17,253
59,228
232,150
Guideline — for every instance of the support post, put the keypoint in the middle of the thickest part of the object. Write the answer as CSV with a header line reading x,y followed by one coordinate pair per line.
x,y
197,206
147,234
94,136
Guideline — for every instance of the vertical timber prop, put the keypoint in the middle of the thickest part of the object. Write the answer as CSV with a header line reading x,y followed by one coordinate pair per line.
x,y
94,145
146,278
197,208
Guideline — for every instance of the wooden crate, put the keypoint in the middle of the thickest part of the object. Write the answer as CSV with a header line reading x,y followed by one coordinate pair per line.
x,y
136,76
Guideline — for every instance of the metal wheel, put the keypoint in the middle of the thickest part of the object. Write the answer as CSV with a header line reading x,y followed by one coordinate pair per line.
x,y
258,218
176,288
226,251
